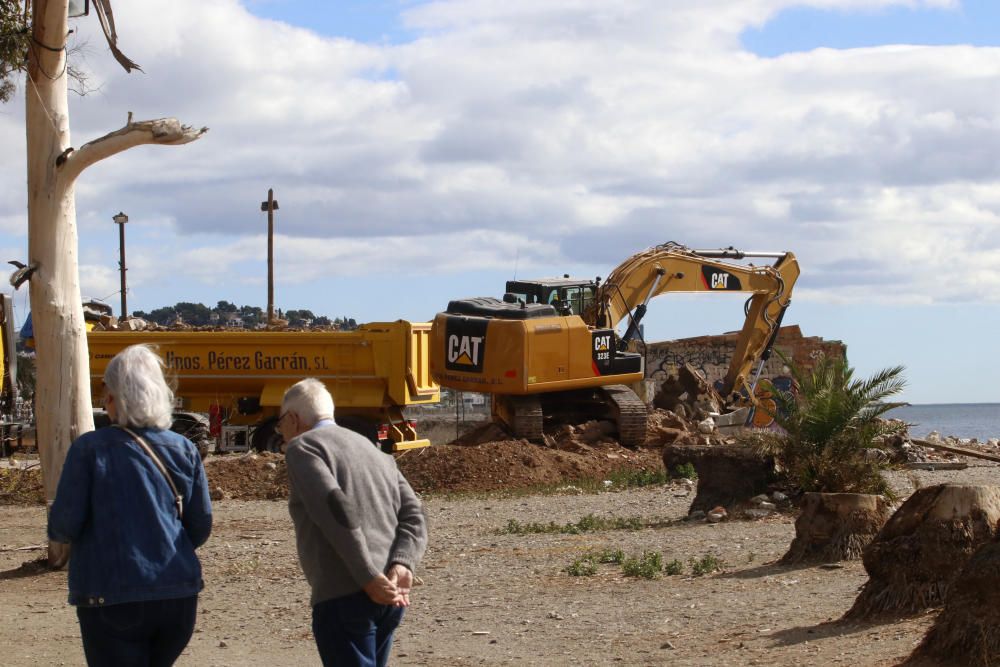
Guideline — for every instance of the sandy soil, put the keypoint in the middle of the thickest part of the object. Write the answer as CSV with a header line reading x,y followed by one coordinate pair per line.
x,y
489,598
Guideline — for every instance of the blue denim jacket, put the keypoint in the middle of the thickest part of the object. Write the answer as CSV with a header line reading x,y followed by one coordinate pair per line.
x,y
117,510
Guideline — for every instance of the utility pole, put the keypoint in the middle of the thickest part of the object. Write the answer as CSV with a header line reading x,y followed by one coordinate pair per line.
x,y
120,220
271,205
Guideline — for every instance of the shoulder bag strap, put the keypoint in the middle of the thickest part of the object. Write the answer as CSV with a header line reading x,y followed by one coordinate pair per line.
x,y
178,498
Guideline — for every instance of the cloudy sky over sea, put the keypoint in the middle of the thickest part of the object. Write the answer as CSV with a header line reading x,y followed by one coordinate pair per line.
x,y
425,151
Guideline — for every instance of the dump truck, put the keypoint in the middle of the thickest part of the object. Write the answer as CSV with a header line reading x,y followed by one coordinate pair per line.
x,y
230,382
549,353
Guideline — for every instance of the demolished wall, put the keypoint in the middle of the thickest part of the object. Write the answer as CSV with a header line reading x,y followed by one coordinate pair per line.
x,y
712,354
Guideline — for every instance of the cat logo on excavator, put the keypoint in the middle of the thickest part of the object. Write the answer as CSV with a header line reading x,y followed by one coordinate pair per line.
x,y
716,279
465,342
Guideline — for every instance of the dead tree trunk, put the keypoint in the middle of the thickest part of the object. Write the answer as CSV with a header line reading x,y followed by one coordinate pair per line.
x,y
62,397
965,632
836,526
919,552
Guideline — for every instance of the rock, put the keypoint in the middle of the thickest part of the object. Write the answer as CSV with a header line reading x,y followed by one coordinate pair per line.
x,y
767,506
555,615
707,425
759,498
717,514
217,493
779,497
222,643
696,515
756,513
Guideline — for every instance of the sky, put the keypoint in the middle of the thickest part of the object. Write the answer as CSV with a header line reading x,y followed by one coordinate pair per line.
x,y
423,151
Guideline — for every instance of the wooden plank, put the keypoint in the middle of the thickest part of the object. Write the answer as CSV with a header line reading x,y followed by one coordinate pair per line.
x,y
956,450
936,465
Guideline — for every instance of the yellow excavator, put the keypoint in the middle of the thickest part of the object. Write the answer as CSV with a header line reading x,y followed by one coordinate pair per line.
x,y
549,352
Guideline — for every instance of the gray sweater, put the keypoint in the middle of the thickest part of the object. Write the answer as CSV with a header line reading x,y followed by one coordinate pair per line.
x,y
354,512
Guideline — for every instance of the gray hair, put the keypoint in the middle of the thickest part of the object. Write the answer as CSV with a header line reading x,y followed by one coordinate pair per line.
x,y
310,400
142,396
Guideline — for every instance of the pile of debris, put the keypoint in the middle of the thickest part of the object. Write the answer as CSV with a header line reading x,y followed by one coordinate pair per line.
x,y
21,485
252,476
575,454
108,322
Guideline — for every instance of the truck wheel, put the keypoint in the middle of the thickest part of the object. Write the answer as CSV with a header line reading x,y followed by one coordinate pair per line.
x,y
266,438
195,428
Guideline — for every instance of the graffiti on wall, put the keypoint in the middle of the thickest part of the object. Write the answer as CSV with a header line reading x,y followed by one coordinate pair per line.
x,y
708,359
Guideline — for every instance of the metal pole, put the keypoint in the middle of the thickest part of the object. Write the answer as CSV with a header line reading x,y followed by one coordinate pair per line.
x,y
121,264
270,206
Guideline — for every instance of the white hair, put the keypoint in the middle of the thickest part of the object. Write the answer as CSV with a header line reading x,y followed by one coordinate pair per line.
x,y
141,393
310,400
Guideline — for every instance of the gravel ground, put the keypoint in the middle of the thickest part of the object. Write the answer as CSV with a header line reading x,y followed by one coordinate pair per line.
x,y
490,599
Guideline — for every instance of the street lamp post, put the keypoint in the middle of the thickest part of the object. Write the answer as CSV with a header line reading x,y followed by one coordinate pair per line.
x,y
270,206
120,220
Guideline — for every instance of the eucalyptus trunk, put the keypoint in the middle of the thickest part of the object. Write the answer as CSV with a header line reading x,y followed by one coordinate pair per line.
x,y
62,395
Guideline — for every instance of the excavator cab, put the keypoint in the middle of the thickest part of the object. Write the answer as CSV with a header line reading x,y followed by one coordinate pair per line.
x,y
567,295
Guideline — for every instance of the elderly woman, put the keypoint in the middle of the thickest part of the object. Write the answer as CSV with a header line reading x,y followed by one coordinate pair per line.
x,y
133,503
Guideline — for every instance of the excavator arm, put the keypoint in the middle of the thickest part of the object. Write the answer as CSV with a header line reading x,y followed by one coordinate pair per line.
x,y
671,267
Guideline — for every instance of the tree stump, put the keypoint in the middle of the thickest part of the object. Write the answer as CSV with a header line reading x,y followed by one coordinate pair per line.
x,y
727,474
836,526
919,552
965,632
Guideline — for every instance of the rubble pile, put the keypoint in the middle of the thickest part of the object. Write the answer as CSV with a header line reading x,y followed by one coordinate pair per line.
x,y
580,453
254,476
111,323
21,486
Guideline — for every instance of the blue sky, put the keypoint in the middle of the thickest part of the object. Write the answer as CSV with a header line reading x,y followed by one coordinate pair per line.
x,y
426,151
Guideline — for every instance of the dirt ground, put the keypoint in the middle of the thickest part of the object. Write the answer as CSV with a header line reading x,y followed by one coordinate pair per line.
x,y
490,597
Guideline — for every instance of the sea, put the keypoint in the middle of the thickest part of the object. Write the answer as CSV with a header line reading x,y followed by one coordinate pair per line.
x,y
962,420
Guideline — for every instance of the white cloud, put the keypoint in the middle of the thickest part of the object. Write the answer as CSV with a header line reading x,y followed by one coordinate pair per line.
x,y
568,131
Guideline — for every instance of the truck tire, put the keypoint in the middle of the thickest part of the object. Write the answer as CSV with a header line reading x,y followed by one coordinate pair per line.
x,y
265,438
195,428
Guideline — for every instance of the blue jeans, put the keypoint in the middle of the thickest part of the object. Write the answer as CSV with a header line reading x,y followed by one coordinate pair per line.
x,y
153,632
353,630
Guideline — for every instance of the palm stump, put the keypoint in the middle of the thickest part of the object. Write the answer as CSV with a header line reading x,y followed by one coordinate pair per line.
x,y
728,475
917,556
836,526
965,632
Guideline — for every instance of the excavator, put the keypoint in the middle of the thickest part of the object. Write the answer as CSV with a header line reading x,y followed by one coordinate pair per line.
x,y
550,353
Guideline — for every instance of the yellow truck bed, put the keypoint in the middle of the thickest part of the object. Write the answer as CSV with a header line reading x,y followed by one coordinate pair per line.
x,y
372,372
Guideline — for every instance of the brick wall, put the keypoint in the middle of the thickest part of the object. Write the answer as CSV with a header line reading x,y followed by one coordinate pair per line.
x,y
712,354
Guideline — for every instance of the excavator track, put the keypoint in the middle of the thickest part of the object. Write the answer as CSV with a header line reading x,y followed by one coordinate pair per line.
x,y
524,417
629,412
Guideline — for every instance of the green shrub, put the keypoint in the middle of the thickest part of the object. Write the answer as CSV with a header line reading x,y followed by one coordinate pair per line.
x,y
588,524
582,567
647,566
630,479
609,556
827,426
684,471
707,564
673,567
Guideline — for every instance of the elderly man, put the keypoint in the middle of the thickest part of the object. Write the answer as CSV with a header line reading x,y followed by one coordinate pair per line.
x,y
359,528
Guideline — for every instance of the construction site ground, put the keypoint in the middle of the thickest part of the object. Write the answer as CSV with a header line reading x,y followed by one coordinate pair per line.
x,y
490,596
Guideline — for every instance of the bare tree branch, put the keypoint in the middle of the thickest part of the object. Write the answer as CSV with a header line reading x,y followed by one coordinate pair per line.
x,y
107,20
162,131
